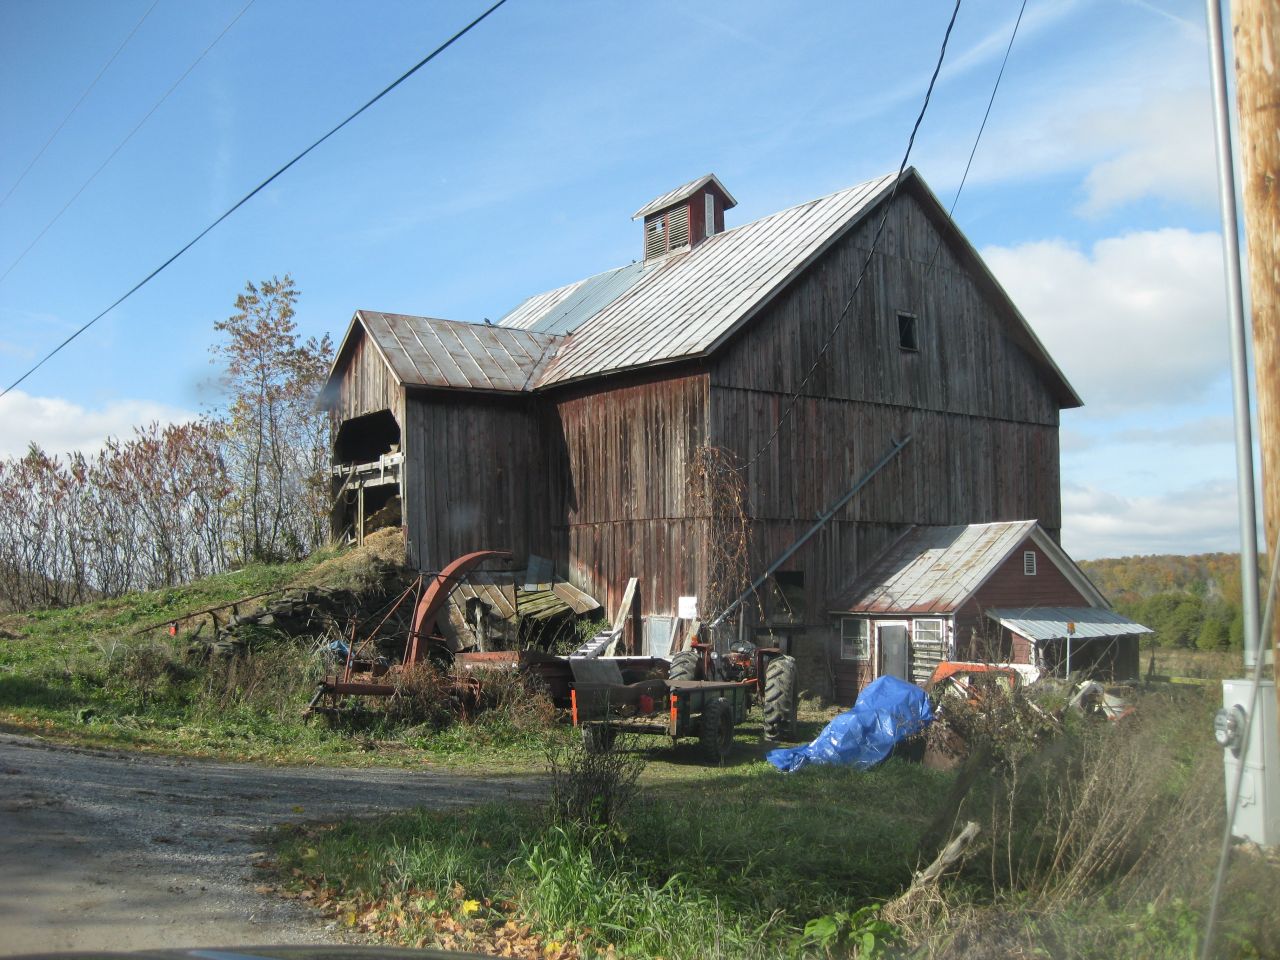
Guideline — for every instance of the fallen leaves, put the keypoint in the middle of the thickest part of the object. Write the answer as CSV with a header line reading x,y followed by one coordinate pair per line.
x,y
444,920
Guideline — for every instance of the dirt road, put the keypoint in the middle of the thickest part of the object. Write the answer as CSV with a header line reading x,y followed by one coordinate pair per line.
x,y
117,851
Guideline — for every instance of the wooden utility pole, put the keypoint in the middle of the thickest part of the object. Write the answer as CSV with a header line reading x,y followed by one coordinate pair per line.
x,y
1255,27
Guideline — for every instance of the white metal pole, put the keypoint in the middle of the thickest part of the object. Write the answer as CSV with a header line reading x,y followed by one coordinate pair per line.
x,y
1238,331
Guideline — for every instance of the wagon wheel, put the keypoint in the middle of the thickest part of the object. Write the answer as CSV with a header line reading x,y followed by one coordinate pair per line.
x,y
716,732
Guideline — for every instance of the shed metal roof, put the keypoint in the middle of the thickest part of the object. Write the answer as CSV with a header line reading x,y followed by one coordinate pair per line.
x,y
934,569
683,192
1050,623
429,352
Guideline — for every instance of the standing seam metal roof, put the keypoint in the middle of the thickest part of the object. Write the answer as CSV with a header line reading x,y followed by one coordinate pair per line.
x,y
934,569
426,351
691,300
682,192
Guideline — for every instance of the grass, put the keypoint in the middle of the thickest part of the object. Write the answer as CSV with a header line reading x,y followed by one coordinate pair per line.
x,y
734,863
95,674
1095,843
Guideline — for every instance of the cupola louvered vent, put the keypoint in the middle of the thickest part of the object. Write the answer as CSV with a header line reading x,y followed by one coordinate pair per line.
x,y
678,227
655,237
685,216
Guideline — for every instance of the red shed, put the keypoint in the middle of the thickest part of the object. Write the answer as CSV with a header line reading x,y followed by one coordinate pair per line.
x,y
983,591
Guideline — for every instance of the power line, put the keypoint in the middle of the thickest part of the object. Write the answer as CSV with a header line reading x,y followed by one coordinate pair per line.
x,y
120,146
258,189
58,129
875,241
981,127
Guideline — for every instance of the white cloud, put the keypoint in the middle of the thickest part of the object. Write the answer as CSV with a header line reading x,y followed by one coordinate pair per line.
x,y
1196,519
1136,321
59,426
1160,148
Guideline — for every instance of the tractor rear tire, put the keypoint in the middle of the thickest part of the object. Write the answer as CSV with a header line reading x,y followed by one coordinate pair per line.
x,y
716,733
779,705
685,665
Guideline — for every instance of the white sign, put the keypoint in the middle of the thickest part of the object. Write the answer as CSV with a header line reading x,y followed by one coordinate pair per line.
x,y
687,608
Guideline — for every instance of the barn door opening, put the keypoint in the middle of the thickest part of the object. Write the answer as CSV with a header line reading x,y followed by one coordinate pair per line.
x,y
894,650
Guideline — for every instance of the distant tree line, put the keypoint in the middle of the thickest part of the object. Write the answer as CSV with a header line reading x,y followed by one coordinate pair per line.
x,y
173,503
1189,601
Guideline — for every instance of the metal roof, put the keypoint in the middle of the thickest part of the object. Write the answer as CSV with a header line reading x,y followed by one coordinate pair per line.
x,y
683,192
687,303
680,306
1050,623
563,310
934,569
425,351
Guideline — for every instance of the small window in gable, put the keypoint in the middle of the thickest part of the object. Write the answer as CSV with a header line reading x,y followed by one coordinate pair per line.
x,y
908,338
1029,563
855,639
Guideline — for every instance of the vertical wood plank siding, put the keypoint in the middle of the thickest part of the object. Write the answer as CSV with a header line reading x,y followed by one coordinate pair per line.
x,y
365,384
480,473
629,444
984,425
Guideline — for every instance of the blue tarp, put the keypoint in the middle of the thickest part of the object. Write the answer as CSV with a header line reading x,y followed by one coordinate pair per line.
x,y
888,710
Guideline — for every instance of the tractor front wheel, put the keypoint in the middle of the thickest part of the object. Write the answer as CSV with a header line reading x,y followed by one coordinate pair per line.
x,y
716,733
779,705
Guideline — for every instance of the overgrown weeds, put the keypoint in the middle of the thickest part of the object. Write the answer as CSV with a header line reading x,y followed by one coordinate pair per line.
x,y
592,789
1100,842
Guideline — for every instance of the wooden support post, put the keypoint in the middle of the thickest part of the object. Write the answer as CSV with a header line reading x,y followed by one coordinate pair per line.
x,y
360,515
1256,39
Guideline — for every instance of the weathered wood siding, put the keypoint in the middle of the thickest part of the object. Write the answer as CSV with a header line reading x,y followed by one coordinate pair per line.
x,y
480,473
628,448
365,384
983,423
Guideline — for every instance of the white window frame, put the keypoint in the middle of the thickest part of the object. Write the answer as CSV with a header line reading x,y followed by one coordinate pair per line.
x,y
709,214
1028,563
865,640
942,629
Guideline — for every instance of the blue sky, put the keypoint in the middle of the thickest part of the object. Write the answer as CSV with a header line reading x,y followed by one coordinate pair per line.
x,y
513,163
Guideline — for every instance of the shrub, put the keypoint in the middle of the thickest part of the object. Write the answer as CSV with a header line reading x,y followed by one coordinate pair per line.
x,y
592,788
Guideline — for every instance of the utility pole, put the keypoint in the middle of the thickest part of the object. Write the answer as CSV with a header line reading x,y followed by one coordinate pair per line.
x,y
1256,40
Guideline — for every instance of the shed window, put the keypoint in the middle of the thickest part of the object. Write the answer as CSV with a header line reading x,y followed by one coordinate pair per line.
x,y
927,632
907,334
855,639
1029,563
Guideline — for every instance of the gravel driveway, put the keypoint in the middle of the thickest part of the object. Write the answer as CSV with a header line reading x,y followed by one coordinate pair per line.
x,y
118,851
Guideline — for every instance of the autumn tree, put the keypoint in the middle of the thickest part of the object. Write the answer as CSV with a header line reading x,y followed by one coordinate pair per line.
x,y
276,439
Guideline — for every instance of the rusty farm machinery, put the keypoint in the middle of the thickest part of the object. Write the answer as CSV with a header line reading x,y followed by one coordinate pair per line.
x,y
700,693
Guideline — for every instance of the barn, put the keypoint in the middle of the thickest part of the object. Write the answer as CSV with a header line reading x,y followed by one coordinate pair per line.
x,y
805,347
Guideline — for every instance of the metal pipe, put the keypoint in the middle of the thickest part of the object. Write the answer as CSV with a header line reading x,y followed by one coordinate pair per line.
x,y
822,522
1238,332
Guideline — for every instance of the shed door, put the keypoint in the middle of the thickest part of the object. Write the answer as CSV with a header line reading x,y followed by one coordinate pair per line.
x,y
892,639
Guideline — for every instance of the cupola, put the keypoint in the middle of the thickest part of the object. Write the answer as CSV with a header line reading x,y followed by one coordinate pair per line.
x,y
685,216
